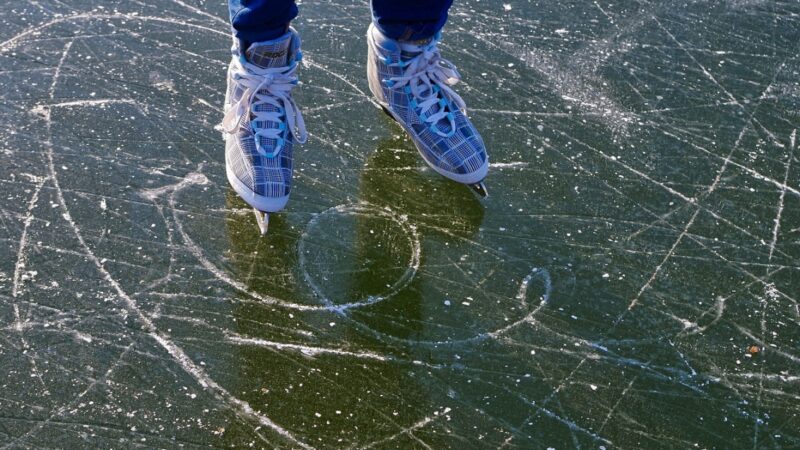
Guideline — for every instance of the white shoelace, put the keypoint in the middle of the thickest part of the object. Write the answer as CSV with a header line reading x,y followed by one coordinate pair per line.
x,y
266,87
429,71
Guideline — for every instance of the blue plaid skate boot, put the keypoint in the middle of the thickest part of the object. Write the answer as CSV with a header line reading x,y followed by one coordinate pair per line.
x,y
262,123
412,83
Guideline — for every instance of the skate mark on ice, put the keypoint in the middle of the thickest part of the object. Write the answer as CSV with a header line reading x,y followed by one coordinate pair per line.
x,y
178,355
409,231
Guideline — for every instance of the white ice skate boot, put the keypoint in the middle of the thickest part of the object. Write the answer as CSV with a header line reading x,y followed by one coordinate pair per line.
x,y
262,123
413,84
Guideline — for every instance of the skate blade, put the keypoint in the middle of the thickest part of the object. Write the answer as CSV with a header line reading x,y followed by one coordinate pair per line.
x,y
480,189
263,221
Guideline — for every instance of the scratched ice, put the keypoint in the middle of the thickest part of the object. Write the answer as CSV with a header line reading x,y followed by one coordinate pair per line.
x,y
632,282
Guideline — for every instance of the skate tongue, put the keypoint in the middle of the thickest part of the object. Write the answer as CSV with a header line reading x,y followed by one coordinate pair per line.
x,y
269,54
410,49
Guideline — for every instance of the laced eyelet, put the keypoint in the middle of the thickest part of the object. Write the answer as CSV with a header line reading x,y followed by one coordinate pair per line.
x,y
265,109
279,144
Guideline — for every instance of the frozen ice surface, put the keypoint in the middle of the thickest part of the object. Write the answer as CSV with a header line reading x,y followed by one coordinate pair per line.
x,y
632,282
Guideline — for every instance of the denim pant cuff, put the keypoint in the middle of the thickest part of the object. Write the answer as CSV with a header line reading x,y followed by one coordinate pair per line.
x,y
260,20
409,31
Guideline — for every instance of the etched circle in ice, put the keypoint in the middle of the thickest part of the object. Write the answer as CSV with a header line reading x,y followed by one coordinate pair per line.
x,y
87,198
357,255
532,295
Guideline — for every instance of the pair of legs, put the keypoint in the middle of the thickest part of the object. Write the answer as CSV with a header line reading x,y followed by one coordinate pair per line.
x,y
409,20
407,77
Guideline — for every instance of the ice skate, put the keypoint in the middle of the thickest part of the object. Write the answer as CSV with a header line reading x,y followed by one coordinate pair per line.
x,y
413,83
262,123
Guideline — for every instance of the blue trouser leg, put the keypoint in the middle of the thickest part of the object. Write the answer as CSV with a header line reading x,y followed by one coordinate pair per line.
x,y
263,20
410,20
260,20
